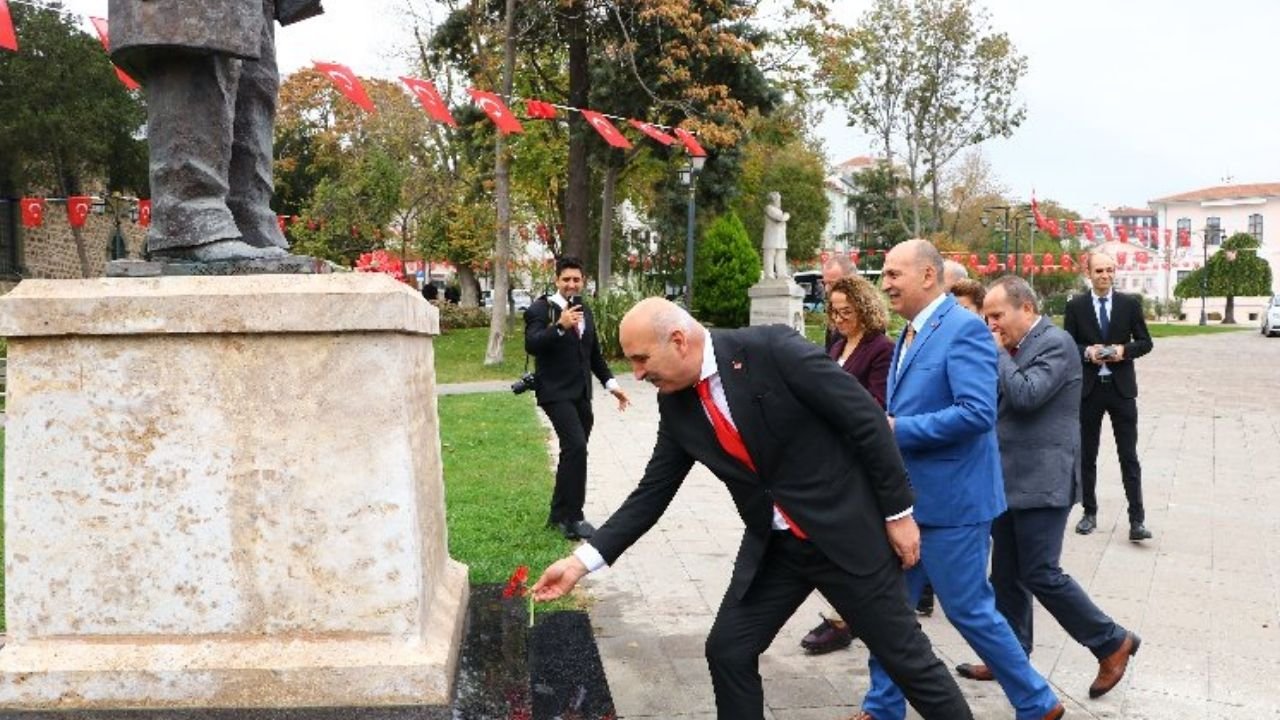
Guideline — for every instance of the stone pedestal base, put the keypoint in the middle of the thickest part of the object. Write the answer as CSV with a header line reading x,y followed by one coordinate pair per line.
x,y
225,492
775,302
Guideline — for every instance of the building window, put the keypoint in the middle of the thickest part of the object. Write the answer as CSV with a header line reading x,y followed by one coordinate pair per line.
x,y
1255,226
1213,230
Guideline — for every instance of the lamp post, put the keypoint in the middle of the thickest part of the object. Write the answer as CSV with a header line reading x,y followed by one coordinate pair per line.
x,y
1204,276
689,177
1003,228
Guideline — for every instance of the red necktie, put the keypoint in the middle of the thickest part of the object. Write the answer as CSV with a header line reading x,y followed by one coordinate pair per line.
x,y
732,443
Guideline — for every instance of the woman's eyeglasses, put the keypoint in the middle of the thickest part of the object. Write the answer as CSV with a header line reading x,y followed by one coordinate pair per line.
x,y
841,313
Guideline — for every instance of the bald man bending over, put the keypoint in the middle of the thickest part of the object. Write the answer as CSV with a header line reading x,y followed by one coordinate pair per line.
x,y
812,467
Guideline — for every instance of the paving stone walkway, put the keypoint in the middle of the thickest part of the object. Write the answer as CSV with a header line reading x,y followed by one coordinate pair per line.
x,y
1203,594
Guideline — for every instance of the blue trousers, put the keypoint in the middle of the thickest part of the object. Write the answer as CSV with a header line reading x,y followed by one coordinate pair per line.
x,y
954,560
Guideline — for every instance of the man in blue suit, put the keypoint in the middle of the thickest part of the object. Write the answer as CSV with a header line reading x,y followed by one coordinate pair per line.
x,y
942,408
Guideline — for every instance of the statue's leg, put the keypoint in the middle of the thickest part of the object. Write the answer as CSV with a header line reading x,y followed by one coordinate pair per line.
x,y
190,160
251,156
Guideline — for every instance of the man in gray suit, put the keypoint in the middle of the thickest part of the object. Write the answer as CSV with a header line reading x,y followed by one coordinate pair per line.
x,y
209,70
1038,429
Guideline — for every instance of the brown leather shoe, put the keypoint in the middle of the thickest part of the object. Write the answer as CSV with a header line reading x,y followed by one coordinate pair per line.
x,y
1056,713
1111,668
974,671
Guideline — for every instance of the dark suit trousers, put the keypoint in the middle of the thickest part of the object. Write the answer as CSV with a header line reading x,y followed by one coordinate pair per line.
x,y
1026,549
572,421
1106,399
875,607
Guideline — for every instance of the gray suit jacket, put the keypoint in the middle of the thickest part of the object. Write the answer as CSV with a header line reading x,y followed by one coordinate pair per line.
x,y
1038,423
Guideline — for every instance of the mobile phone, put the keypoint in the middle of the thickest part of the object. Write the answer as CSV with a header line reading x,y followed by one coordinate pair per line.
x,y
575,301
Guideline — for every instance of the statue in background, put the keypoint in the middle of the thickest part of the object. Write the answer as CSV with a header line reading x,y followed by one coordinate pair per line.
x,y
775,238
209,71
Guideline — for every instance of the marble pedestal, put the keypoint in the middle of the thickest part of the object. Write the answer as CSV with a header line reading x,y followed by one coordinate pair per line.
x,y
225,492
777,301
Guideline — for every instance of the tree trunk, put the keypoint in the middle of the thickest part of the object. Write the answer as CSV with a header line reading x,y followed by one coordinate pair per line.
x,y
577,202
1229,313
493,354
469,286
606,230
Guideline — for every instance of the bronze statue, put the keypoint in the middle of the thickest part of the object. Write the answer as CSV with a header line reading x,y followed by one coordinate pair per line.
x,y
209,71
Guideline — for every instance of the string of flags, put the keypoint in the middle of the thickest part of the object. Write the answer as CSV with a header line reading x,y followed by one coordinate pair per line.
x,y
349,85
1140,259
1100,232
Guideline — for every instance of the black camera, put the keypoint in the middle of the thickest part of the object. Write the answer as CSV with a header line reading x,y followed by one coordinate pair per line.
x,y
527,382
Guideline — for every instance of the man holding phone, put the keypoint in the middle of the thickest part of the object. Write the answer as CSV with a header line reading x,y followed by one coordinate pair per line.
x,y
560,334
1111,333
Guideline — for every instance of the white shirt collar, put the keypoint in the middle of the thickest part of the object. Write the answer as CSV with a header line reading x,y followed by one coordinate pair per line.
x,y
709,366
1096,297
923,316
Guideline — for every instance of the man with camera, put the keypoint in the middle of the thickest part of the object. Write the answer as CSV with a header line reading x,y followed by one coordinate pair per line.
x,y
560,333
1111,333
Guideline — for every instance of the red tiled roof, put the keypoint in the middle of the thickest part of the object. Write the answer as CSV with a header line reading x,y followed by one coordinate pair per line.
x,y
859,161
1224,192
1131,212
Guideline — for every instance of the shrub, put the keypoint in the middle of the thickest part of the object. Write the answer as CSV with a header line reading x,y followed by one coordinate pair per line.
x,y
726,265
609,308
456,317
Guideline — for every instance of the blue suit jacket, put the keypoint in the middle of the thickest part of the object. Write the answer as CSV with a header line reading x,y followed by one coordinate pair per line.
x,y
944,407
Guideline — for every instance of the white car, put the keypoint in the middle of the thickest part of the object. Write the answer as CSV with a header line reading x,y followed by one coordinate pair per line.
x,y
522,299
1271,317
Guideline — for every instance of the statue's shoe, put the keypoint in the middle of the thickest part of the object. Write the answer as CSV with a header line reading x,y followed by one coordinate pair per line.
x,y
219,251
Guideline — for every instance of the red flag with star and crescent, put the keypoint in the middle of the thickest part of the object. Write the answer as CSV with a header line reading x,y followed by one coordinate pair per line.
x,y
100,24
144,213
653,132
606,129
690,143
8,38
347,83
32,212
430,99
497,111
78,210
540,110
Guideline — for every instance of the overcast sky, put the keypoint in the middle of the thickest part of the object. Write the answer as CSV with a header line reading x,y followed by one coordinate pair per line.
x,y
1127,100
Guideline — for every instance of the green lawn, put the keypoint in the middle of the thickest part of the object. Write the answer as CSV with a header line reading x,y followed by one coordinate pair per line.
x,y
498,480
1160,330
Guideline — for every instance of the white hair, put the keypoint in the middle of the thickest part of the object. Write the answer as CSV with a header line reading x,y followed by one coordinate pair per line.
x,y
953,272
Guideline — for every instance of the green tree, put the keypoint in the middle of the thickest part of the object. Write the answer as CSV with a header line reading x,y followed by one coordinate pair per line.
x,y
348,215
933,79
1235,270
726,264
877,202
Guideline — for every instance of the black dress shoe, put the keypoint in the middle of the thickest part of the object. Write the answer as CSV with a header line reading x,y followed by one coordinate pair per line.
x,y
1087,524
827,637
924,608
583,529
1138,532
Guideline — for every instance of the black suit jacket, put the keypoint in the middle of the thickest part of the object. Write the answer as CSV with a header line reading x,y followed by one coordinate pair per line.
x,y
821,445
564,361
1127,327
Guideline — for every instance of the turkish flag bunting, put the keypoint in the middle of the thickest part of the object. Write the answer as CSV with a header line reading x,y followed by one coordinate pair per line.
x,y
539,110
100,24
282,221
1168,236
8,38
1106,232
430,99
78,210
690,143
652,132
497,111
606,129
347,83
1123,233
32,212
1071,228
1088,231
144,213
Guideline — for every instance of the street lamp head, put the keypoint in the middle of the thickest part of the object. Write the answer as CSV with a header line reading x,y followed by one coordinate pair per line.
x,y
686,174
698,162
985,222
